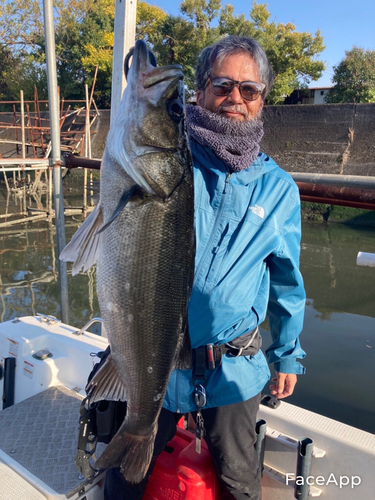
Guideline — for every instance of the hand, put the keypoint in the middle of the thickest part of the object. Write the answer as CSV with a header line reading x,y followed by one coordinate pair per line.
x,y
284,386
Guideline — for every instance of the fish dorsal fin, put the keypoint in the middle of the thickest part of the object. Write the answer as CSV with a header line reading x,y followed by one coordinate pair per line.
x,y
83,248
106,384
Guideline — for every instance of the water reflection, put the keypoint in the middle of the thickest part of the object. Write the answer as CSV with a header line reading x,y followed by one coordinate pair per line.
x,y
339,329
28,265
339,326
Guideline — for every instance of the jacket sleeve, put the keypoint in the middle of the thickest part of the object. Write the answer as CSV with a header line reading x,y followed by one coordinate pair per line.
x,y
286,305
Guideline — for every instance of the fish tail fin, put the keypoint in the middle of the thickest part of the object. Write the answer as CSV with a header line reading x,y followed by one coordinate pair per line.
x,y
83,248
106,384
131,452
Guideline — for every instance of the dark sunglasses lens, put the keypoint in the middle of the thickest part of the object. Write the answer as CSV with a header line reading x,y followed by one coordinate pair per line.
x,y
249,91
221,86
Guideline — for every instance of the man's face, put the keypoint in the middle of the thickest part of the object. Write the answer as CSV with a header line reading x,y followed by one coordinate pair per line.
x,y
240,67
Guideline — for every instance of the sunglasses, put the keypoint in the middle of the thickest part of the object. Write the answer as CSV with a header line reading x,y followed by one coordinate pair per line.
x,y
222,86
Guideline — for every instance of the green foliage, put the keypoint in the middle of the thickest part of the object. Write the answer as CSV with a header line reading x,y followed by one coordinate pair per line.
x,y
84,42
292,54
354,77
18,74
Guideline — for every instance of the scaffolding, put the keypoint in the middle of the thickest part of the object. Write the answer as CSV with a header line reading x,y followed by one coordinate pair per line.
x,y
25,142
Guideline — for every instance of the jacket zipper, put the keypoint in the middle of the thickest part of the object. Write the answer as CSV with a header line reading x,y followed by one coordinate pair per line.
x,y
221,206
217,221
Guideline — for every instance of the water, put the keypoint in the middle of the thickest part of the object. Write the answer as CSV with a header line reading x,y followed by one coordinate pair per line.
x,y
339,328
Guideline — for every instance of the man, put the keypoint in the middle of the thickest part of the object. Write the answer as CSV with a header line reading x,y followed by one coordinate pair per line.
x,y
248,234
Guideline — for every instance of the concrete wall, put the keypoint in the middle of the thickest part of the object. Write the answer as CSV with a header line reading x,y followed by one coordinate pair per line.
x,y
327,138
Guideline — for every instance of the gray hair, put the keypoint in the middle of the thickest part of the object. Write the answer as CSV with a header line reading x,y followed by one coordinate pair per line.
x,y
230,45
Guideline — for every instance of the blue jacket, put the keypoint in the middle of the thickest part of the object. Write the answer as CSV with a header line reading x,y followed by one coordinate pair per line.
x,y
246,266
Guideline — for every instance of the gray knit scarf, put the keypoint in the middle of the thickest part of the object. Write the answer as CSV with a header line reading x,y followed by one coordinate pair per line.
x,y
236,143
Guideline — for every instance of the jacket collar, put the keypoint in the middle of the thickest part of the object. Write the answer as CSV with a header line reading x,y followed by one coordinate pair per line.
x,y
207,159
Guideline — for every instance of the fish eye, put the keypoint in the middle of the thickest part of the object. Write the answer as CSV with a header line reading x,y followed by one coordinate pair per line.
x,y
175,109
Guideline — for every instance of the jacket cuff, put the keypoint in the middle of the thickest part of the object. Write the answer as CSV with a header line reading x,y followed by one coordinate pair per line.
x,y
289,366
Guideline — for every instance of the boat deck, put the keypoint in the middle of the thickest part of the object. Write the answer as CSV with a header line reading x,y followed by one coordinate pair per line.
x,y
42,437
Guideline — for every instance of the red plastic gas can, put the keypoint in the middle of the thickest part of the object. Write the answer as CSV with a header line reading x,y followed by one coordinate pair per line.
x,y
180,473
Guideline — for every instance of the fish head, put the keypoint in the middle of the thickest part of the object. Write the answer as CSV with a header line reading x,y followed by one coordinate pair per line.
x,y
148,137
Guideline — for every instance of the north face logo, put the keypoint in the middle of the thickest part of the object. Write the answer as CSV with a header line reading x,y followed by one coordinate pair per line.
x,y
257,210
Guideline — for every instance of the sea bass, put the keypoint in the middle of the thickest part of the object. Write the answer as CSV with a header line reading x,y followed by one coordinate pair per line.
x,y
141,235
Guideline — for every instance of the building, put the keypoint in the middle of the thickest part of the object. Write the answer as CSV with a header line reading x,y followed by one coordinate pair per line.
x,y
313,95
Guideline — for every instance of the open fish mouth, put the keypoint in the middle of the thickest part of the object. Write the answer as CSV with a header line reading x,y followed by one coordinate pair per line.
x,y
161,74
143,61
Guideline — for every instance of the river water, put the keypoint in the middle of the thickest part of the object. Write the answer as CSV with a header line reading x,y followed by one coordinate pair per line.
x,y
339,328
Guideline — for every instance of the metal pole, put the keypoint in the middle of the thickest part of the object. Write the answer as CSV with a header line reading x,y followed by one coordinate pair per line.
x,y
56,153
351,181
23,126
87,148
124,39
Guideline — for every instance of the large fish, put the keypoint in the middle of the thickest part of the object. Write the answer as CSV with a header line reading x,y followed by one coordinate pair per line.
x,y
141,236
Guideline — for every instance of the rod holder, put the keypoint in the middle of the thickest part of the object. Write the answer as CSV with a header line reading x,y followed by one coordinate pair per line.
x,y
9,382
304,462
260,445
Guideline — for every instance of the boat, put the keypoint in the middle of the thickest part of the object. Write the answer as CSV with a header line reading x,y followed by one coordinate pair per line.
x,y
44,369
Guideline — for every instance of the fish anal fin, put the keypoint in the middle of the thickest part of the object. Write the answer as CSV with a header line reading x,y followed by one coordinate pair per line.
x,y
131,452
125,198
106,384
83,248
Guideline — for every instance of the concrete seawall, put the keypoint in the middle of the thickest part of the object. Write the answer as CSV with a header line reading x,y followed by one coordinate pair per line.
x,y
326,138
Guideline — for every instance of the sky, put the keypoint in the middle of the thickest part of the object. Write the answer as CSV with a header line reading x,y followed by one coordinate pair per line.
x,y
343,24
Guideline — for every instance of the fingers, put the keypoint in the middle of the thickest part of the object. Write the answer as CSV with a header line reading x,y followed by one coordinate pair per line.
x,y
284,386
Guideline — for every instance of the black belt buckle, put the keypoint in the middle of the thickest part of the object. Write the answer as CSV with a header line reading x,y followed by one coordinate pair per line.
x,y
199,363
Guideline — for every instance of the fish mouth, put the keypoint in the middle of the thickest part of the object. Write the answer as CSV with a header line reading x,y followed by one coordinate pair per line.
x,y
144,63
161,74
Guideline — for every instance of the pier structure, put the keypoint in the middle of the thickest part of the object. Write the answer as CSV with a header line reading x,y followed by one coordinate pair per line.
x,y
25,149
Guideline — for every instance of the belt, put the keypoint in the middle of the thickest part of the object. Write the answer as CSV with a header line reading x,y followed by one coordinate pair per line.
x,y
210,356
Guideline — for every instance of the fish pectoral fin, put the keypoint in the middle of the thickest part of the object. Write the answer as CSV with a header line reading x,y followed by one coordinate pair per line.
x,y
125,198
83,248
106,384
129,451
184,356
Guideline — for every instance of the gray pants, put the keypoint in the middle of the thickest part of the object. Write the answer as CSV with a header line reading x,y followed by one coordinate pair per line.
x,y
230,437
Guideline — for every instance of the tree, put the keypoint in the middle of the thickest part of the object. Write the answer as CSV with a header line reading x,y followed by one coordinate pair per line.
x,y
354,77
292,54
98,50
84,41
184,37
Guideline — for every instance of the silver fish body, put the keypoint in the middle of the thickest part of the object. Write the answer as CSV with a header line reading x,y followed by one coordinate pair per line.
x,y
144,253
